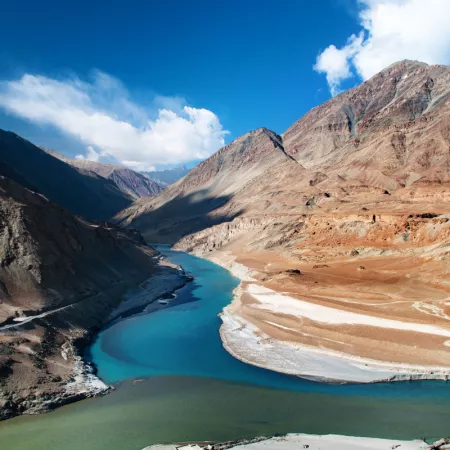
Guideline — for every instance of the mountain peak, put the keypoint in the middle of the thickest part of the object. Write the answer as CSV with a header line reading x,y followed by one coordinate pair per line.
x,y
391,100
263,130
257,134
406,63
404,67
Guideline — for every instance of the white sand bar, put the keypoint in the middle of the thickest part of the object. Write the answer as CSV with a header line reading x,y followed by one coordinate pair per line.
x,y
249,344
275,302
333,442
315,442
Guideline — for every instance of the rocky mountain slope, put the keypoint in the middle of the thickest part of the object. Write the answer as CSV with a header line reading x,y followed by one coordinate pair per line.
x,y
347,215
396,124
206,196
130,182
387,134
80,192
60,279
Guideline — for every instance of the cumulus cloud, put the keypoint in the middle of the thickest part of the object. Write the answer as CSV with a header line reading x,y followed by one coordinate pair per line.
x,y
392,30
91,155
334,62
101,114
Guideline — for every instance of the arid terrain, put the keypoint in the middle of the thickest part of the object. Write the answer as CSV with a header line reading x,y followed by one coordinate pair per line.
x,y
61,279
339,230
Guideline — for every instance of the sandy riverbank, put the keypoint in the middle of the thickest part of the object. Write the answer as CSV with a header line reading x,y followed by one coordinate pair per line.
x,y
164,283
85,383
279,332
312,442
75,378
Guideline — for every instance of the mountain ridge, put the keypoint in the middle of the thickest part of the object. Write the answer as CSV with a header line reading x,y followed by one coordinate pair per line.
x,y
214,182
383,109
334,152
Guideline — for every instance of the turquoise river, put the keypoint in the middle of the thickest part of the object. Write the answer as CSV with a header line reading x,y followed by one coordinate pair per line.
x,y
189,388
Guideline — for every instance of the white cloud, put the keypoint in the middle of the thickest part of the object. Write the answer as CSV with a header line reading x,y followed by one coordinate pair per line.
x,y
334,62
91,155
393,30
101,115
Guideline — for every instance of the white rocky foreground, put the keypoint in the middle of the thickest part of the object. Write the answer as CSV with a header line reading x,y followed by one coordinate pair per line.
x,y
313,442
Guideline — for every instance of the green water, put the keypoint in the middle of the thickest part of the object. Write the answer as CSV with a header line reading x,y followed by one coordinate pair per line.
x,y
195,391
171,408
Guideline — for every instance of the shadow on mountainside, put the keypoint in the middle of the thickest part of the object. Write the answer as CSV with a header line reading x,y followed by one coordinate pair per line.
x,y
182,216
81,192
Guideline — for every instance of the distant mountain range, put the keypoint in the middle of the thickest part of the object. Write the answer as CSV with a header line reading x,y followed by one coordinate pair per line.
x,y
128,181
168,176
388,133
80,191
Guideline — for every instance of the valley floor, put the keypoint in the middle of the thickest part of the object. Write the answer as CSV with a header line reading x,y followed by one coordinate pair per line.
x,y
334,315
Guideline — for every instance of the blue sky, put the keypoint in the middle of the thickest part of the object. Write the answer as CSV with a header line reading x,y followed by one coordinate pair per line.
x,y
248,62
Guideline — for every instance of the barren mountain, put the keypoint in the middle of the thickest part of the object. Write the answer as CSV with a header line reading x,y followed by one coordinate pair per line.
x,y
395,123
80,192
130,182
60,280
338,229
206,195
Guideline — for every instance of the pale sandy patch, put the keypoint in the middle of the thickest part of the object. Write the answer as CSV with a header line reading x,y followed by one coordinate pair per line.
x,y
227,261
312,442
283,304
333,442
282,327
249,344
